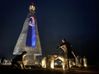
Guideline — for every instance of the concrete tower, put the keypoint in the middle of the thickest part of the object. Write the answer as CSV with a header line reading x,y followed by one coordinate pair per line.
x,y
29,40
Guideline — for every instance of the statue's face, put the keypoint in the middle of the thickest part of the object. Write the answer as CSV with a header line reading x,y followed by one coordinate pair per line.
x,y
63,41
31,8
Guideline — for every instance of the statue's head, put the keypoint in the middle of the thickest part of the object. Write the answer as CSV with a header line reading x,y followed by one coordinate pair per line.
x,y
63,40
24,52
32,8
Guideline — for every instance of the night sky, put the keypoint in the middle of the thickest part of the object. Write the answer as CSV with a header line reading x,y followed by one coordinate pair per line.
x,y
74,20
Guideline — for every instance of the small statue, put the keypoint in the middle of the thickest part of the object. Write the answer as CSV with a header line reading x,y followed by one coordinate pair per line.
x,y
85,62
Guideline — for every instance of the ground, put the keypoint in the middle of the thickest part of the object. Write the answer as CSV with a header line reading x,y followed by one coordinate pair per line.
x,y
39,70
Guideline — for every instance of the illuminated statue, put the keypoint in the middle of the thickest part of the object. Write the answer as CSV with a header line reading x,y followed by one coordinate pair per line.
x,y
65,46
85,62
50,62
43,62
29,40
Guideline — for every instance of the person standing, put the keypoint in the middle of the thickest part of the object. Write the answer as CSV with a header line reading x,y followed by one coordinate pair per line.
x,y
65,46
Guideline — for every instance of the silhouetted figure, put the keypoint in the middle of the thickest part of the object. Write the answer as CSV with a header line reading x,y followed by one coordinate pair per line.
x,y
65,46
17,60
2,60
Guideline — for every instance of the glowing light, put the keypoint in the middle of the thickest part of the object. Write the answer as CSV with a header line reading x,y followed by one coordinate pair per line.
x,y
55,58
85,65
25,62
43,62
70,63
63,62
52,64
85,62
63,66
